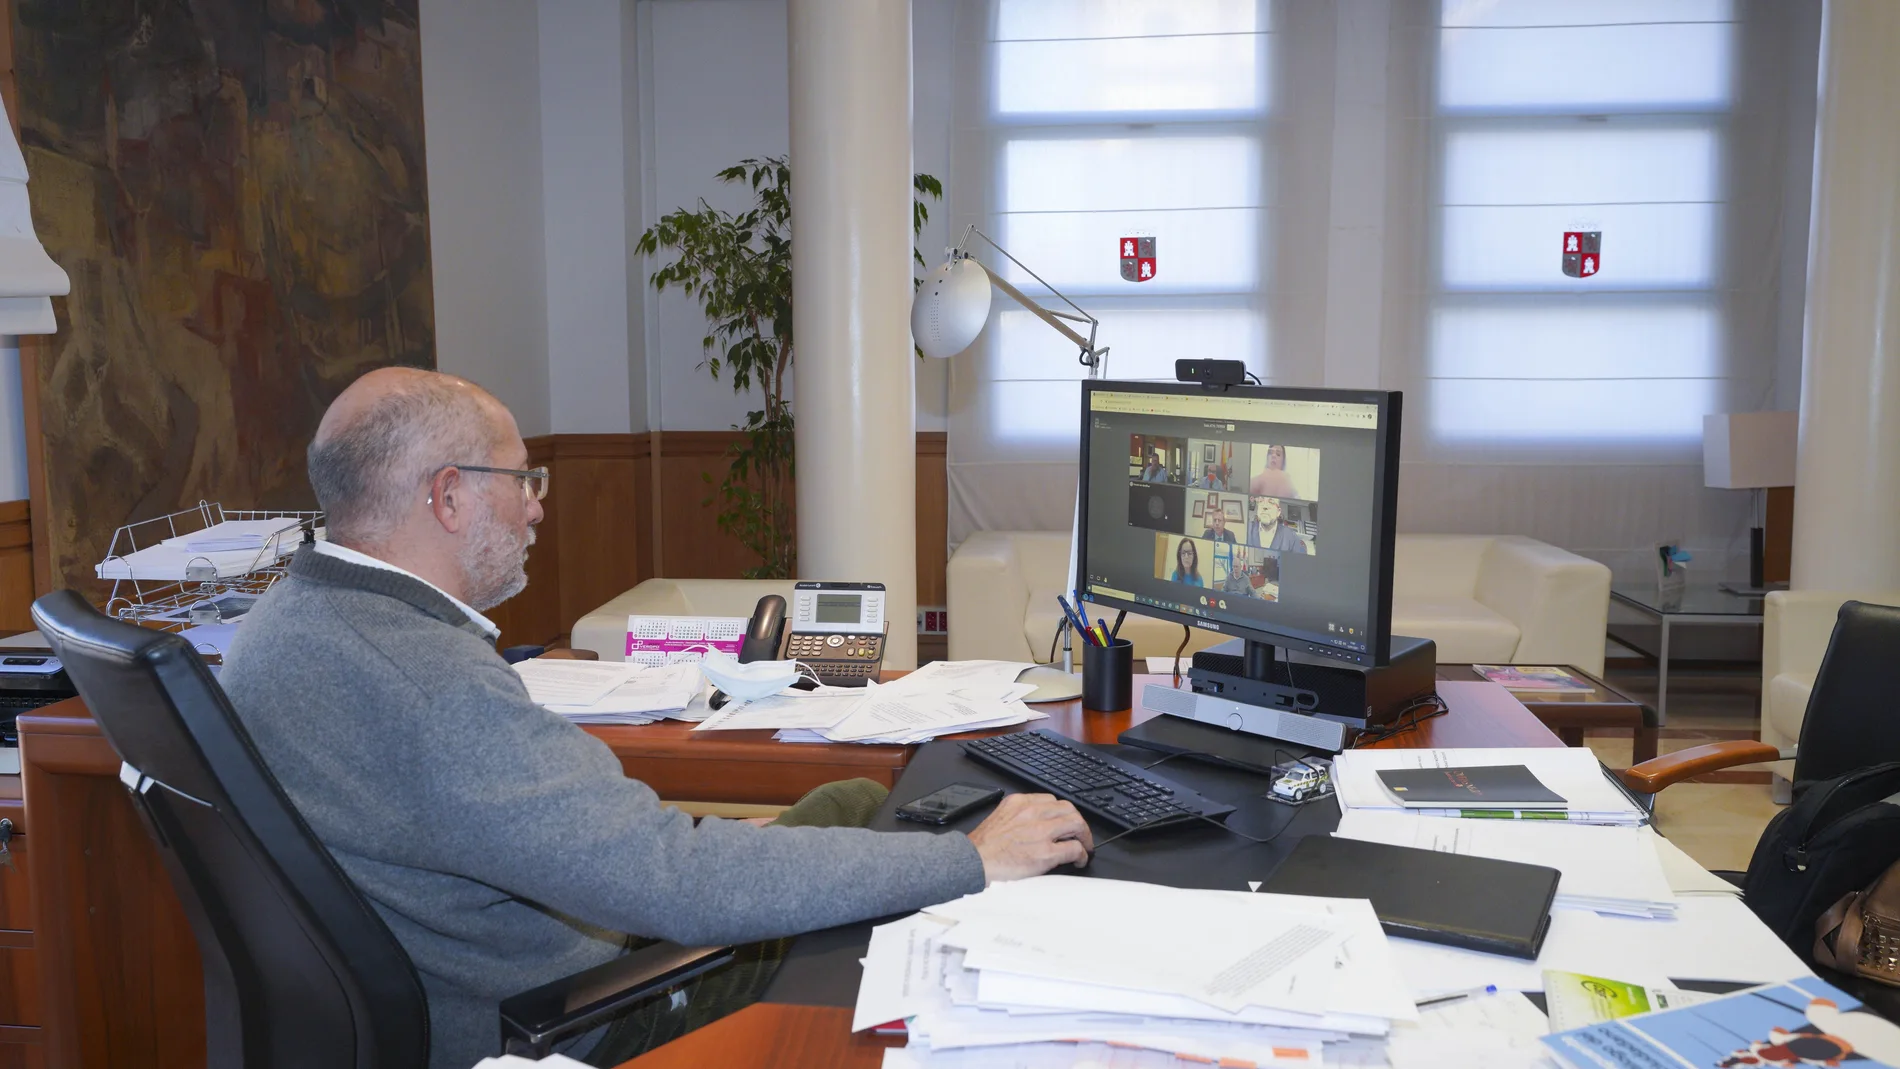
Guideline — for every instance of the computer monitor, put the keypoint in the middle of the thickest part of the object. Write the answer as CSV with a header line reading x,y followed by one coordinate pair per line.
x,y
1261,512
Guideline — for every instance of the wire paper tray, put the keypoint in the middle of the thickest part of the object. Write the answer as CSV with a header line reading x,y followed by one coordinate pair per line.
x,y
176,603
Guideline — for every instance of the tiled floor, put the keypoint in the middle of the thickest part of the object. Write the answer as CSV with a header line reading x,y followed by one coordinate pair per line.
x,y
1717,823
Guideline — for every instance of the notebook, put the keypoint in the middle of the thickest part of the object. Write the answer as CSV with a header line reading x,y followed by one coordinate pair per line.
x,y
1478,903
1469,787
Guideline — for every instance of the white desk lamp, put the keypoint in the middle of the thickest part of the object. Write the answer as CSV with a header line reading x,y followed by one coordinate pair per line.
x,y
953,305
951,308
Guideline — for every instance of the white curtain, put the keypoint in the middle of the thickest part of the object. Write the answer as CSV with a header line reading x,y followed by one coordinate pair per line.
x,y
1375,193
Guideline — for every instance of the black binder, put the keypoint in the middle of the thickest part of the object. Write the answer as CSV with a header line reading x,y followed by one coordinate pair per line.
x,y
1499,907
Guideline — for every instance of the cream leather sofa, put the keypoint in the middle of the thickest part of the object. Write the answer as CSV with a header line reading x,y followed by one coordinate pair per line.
x,y
1796,626
605,629
1492,599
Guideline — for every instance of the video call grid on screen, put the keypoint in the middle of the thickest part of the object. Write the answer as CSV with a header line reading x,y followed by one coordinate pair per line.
x,y
1263,521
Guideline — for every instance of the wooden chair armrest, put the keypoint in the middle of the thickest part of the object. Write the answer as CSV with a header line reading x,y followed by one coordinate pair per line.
x,y
1656,773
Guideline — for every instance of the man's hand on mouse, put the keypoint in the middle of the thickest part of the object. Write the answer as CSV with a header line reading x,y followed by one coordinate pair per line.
x,y
1028,835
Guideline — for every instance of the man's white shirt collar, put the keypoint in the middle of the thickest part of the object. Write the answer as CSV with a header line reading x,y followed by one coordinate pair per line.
x,y
331,549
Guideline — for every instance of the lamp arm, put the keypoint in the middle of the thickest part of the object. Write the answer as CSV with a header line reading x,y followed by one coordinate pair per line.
x,y
1044,314
1080,316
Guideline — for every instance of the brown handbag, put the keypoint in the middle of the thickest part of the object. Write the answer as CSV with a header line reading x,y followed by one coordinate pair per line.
x,y
1860,934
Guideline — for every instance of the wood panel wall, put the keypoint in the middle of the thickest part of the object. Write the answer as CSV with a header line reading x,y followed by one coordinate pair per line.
x,y
16,567
623,508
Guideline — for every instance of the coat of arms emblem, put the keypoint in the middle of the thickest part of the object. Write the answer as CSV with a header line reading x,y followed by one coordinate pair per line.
x,y
1583,252
1138,259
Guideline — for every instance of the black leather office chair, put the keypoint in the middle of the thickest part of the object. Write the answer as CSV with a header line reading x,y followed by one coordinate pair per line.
x,y
1851,720
299,969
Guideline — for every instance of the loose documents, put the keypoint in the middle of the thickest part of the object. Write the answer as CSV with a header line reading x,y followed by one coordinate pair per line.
x,y
231,535
1266,979
941,698
1713,937
1570,771
1610,870
808,709
610,692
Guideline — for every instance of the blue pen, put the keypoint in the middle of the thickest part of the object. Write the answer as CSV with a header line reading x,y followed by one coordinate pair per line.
x,y
1069,614
1103,624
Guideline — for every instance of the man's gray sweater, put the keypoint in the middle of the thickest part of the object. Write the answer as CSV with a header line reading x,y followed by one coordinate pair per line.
x,y
503,845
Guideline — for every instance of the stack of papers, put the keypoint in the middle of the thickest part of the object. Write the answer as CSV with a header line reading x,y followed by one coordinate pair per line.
x,y
1712,937
233,535
175,564
1270,980
611,692
1606,869
803,710
1571,772
941,698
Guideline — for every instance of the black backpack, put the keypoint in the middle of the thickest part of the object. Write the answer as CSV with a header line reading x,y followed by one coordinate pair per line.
x,y
1836,838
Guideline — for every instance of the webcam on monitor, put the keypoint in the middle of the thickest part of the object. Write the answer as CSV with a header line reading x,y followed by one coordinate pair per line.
x,y
1211,372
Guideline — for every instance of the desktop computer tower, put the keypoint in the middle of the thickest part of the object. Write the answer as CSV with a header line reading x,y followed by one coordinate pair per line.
x,y
1235,718
1359,697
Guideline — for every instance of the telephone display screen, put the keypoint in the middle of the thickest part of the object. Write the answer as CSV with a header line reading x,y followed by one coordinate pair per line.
x,y
839,608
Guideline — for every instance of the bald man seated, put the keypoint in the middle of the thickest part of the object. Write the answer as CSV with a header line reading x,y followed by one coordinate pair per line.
x,y
504,847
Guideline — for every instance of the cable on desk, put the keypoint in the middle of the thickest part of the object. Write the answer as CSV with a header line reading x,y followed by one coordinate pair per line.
x,y
1408,718
1185,635
1293,814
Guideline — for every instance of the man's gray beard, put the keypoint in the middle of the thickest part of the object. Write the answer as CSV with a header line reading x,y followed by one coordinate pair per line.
x,y
495,562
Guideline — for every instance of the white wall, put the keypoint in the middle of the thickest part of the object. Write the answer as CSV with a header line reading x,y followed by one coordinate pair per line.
x,y
482,121
584,189
12,424
557,132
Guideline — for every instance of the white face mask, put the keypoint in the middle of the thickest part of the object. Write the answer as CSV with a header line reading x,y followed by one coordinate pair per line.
x,y
744,682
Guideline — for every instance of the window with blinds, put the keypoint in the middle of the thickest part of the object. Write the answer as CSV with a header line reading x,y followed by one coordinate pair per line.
x,y
1111,119
1584,117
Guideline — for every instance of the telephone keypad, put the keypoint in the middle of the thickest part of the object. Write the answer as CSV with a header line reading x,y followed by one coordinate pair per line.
x,y
837,657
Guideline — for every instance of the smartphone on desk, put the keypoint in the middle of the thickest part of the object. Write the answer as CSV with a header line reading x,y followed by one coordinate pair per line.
x,y
949,803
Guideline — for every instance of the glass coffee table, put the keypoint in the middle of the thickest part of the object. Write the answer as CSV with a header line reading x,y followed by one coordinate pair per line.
x,y
1696,606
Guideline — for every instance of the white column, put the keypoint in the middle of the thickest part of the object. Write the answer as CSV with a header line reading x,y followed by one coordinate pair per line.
x,y
854,375
1355,240
1847,481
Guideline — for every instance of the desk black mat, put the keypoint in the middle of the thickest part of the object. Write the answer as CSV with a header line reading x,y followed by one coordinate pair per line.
x,y
822,968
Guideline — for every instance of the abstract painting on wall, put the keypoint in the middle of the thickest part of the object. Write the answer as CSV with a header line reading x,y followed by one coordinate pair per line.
x,y
237,190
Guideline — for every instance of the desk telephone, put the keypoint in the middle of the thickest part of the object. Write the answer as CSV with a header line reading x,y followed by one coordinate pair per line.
x,y
837,629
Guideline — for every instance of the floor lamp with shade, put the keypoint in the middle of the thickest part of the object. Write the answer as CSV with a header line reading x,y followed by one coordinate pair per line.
x,y
950,310
1751,451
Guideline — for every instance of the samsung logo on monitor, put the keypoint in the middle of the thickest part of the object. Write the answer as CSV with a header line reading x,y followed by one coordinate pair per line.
x,y
1209,624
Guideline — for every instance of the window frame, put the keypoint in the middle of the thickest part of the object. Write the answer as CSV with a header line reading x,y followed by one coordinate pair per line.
x,y
1445,123
1002,129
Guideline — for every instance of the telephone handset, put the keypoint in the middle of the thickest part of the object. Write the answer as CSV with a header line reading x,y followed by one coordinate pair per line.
x,y
764,631
838,630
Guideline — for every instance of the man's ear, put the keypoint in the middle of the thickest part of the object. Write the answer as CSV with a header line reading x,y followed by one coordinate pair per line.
x,y
447,499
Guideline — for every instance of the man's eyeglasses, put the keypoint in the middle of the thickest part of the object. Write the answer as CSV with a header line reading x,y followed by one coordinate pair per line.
x,y
534,482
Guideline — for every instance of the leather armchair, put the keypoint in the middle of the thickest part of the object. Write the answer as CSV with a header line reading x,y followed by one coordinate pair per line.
x,y
1796,626
604,630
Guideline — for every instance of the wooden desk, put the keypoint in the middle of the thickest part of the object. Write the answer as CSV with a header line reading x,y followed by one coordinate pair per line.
x,y
119,976
819,1037
752,767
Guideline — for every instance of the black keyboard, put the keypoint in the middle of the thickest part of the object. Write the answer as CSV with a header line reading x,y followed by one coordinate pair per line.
x,y
1118,792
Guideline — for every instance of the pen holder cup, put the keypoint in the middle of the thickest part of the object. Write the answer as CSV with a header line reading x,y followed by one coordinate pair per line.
x,y
1108,675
